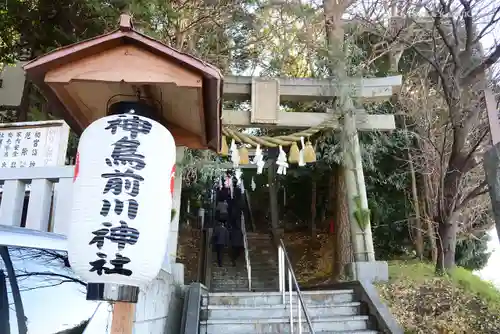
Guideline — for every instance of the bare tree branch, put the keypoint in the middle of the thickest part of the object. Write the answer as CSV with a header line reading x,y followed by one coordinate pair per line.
x,y
479,190
51,274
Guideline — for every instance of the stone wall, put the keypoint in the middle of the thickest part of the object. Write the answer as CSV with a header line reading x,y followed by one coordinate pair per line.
x,y
159,309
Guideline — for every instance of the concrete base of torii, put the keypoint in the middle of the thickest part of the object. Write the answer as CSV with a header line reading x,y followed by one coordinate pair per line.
x,y
368,271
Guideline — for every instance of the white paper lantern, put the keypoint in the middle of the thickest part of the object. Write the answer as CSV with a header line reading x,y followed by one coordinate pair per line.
x,y
121,204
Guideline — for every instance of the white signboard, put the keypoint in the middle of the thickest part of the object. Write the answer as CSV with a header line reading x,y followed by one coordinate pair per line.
x,y
33,144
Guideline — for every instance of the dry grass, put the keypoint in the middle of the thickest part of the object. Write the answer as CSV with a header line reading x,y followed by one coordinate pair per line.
x,y
188,253
426,304
312,258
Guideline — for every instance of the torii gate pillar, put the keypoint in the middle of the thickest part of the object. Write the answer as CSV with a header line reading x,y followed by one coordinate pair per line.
x,y
364,267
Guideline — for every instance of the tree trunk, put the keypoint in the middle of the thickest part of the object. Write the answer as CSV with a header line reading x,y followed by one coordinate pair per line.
x,y
16,294
446,244
417,224
273,197
428,208
432,239
342,230
334,9
313,208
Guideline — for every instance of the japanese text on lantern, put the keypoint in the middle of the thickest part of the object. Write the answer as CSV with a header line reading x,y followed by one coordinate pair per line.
x,y
122,186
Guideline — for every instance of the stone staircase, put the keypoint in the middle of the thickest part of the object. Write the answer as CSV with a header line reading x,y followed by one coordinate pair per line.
x,y
227,277
334,311
232,309
264,264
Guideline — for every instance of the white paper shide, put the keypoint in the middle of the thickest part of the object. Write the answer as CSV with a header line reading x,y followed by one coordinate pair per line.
x,y
121,205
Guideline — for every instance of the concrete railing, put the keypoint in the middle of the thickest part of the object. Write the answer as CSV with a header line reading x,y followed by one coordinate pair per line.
x,y
36,199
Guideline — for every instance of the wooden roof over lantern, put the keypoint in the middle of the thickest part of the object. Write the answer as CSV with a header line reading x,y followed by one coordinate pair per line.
x,y
80,79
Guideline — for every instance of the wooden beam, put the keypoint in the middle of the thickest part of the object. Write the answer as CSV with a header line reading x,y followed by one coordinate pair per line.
x,y
239,88
364,121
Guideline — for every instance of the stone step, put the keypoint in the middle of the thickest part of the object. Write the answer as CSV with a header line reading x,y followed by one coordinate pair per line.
x,y
213,312
264,267
274,298
229,278
263,259
262,273
264,251
265,263
367,331
264,278
256,244
260,244
241,287
233,281
223,276
243,326
258,236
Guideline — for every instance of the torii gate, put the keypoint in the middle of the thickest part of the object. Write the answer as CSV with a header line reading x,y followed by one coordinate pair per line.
x,y
267,93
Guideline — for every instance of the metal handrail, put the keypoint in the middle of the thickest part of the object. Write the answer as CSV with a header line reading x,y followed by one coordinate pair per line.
x,y
283,263
247,257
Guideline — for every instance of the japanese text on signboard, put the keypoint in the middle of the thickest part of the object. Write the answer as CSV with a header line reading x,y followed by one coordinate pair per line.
x,y
28,147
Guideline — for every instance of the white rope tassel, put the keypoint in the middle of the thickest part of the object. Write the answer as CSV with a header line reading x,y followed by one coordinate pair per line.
x,y
242,187
260,166
235,156
231,188
258,160
301,152
253,185
238,173
258,155
282,162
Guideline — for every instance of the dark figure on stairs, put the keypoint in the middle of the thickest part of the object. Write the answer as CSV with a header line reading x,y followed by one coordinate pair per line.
x,y
221,212
237,244
220,240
